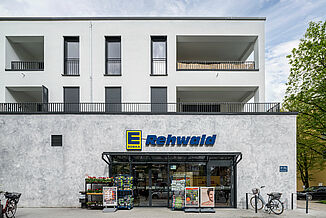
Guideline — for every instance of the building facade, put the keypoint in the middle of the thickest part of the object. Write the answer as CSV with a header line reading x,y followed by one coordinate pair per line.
x,y
193,88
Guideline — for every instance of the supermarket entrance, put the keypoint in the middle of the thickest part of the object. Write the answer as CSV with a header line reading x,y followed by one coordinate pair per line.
x,y
150,185
160,178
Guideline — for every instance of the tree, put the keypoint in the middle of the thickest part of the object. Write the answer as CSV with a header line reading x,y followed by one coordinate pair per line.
x,y
306,94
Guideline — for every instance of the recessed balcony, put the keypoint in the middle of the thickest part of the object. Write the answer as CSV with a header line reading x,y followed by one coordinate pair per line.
x,y
217,53
24,53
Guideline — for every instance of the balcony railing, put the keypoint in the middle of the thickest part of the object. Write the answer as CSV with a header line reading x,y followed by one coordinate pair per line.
x,y
71,66
203,107
27,65
113,66
215,65
159,67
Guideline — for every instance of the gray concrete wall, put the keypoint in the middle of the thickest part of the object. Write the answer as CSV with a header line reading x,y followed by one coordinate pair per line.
x,y
52,176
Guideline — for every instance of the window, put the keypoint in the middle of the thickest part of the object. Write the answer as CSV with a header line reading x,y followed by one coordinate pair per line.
x,y
56,140
71,56
113,99
159,53
71,99
158,99
113,55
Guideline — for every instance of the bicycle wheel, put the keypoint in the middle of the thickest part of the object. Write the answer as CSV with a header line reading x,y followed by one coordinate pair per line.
x,y
276,206
11,209
259,203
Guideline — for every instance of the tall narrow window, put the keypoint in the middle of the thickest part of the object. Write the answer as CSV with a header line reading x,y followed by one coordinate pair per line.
x,y
112,99
71,99
159,99
113,55
159,50
71,59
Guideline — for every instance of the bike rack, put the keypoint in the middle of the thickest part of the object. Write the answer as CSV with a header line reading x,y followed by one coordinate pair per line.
x,y
247,202
1,208
292,202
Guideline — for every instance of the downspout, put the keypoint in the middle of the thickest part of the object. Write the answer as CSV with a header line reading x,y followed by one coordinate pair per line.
x,y
91,59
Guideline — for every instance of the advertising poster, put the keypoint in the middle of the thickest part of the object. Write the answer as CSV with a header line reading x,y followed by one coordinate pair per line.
x,y
110,196
207,196
192,197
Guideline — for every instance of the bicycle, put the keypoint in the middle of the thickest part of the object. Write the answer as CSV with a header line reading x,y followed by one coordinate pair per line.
x,y
11,204
273,204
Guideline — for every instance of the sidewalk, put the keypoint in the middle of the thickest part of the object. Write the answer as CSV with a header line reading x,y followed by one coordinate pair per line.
x,y
154,212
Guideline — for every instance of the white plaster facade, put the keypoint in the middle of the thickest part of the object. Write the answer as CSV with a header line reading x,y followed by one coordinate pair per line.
x,y
135,55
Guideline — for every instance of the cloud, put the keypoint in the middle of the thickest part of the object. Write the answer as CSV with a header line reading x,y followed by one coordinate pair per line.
x,y
278,69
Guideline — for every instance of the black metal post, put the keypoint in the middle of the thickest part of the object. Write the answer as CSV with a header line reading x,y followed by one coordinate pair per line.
x,y
255,203
292,201
306,203
247,201
1,214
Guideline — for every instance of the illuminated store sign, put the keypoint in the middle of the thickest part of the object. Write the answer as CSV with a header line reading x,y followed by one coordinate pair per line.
x,y
134,140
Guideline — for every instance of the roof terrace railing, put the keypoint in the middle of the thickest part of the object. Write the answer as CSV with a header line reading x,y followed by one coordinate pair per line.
x,y
215,65
195,107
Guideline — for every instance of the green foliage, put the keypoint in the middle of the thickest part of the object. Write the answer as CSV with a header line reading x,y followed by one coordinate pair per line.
x,y
306,94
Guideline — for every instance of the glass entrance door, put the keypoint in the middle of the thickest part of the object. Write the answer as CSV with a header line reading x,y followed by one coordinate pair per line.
x,y
220,175
150,185
141,185
159,189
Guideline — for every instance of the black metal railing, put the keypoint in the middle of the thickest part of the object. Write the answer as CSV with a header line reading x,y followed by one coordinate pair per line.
x,y
27,65
215,65
159,66
113,66
71,66
203,107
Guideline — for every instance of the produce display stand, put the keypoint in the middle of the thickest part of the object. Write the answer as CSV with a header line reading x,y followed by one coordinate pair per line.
x,y
124,183
93,191
178,184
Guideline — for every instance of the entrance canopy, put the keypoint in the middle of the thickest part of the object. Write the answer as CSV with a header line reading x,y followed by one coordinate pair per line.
x,y
169,157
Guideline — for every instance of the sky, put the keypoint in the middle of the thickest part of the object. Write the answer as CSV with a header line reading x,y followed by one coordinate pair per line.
x,y
286,21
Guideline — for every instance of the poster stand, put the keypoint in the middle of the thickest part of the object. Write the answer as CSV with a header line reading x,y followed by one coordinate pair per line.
x,y
110,199
205,197
192,200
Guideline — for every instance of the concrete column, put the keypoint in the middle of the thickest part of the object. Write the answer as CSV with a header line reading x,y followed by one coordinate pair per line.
x,y
256,54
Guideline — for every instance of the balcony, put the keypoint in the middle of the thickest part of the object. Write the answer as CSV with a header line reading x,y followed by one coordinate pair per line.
x,y
173,108
215,65
217,53
27,65
24,53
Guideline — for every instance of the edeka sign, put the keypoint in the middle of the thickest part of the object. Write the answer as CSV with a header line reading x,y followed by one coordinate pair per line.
x,y
171,140
134,140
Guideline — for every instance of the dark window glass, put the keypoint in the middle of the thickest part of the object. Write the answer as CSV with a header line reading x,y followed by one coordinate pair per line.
x,y
113,55
71,99
71,56
159,56
113,99
56,140
159,99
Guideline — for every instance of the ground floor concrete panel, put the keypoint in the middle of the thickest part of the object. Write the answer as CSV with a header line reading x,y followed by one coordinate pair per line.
x,y
50,176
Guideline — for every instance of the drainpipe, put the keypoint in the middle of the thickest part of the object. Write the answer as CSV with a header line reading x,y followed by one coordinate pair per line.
x,y
91,59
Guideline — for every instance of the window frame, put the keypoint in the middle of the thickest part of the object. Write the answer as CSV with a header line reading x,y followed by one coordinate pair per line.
x,y
159,39
65,53
107,40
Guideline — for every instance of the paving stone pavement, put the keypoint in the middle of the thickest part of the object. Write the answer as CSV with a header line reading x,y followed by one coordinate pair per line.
x,y
155,213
